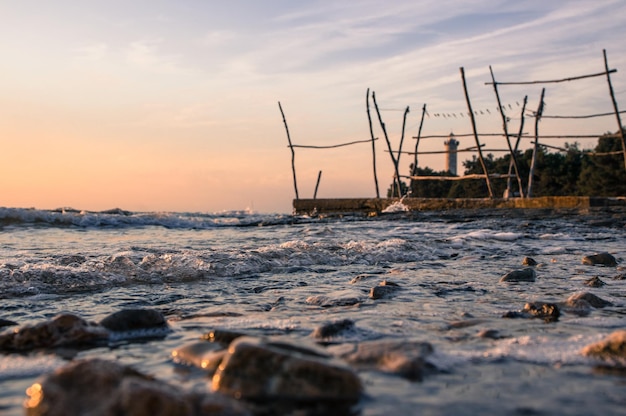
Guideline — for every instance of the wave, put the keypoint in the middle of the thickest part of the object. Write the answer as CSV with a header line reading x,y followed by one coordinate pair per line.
x,y
119,218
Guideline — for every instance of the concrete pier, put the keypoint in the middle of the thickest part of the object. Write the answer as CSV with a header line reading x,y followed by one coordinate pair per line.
x,y
374,206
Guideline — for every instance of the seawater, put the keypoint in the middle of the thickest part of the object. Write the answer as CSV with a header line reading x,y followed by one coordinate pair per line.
x,y
254,273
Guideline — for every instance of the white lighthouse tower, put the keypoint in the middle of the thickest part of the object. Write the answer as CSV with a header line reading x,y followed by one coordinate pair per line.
x,y
452,146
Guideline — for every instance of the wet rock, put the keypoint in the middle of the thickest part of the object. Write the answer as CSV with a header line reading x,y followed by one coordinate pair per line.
x,y
489,333
594,282
99,387
404,358
523,275
254,369
332,329
529,261
341,298
384,290
134,319
201,354
549,312
590,298
61,331
222,336
612,349
621,276
600,259
6,322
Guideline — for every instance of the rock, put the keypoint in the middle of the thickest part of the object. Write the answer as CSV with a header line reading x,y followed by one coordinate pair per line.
x,y
594,282
202,354
590,298
61,331
489,333
332,329
549,312
6,322
528,261
222,336
384,290
99,387
403,358
621,276
523,275
612,349
255,369
341,298
600,259
134,319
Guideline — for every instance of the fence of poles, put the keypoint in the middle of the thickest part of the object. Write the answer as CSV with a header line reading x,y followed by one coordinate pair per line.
x,y
397,189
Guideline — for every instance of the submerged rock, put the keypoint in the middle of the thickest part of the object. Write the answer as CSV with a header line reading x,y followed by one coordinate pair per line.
x,y
99,387
332,329
590,298
612,349
255,369
549,312
134,319
404,358
600,259
523,275
385,289
61,331
594,282
529,261
341,298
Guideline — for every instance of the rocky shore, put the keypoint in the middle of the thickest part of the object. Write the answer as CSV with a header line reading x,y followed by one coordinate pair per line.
x,y
248,374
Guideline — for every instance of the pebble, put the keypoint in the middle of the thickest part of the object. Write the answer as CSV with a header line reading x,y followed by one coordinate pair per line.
x,y
384,290
529,261
134,319
332,329
594,282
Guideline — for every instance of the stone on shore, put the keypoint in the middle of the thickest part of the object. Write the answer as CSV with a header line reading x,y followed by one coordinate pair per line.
x,y
99,387
61,331
404,358
594,282
523,275
134,319
600,259
611,349
549,312
332,329
201,354
590,298
256,369
384,290
529,261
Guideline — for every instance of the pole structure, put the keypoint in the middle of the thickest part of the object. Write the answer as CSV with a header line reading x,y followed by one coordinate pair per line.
x,y
620,130
369,119
396,179
293,154
417,142
519,138
317,184
506,134
536,148
480,153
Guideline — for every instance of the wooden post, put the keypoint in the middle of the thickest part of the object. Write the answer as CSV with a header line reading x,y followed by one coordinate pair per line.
x,y
406,112
396,179
480,153
619,120
369,119
535,149
293,154
417,142
519,138
317,184
506,134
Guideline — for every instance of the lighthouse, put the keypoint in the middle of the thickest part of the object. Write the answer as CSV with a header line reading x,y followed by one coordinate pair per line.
x,y
451,151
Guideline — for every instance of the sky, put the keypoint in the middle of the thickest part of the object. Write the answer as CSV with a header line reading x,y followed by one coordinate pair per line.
x,y
154,105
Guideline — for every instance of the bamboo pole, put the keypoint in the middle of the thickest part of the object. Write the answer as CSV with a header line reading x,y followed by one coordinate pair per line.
x,y
317,184
536,147
418,137
517,142
369,119
480,153
617,116
508,140
293,154
406,112
396,179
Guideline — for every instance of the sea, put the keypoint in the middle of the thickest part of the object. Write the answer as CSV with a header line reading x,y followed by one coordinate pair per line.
x,y
257,273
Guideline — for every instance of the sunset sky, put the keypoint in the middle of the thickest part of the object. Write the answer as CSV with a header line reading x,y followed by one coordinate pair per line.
x,y
153,105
